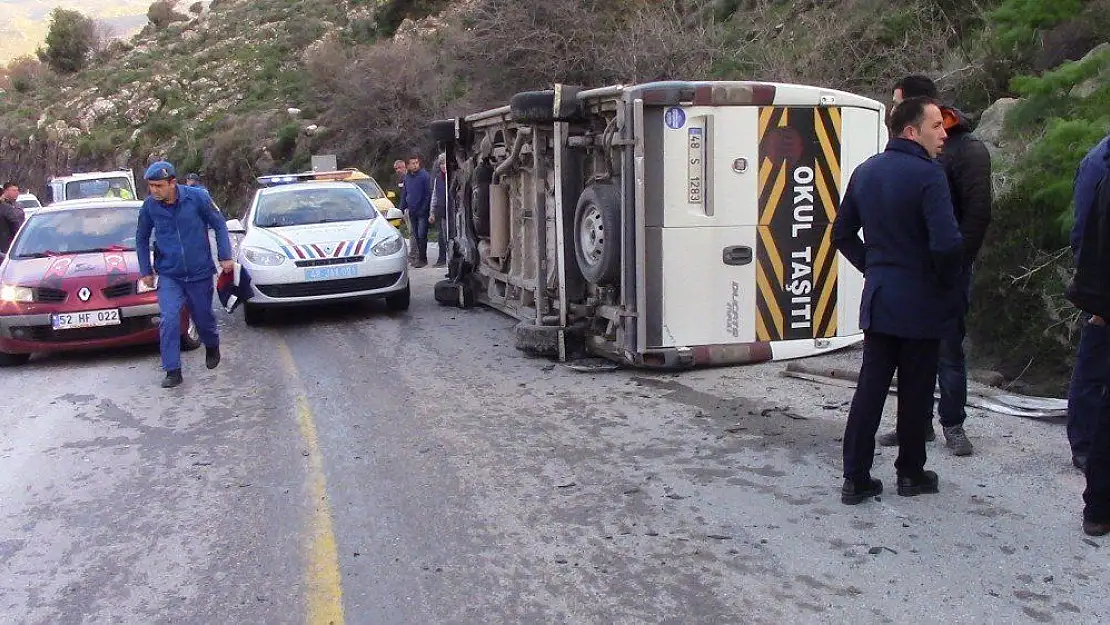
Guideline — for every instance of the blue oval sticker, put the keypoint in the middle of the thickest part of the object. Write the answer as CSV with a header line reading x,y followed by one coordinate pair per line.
x,y
675,117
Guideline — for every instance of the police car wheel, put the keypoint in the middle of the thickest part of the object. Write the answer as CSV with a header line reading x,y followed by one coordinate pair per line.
x,y
253,315
190,339
13,360
399,301
597,233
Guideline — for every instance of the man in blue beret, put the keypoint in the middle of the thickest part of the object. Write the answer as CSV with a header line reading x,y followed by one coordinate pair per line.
x,y
180,216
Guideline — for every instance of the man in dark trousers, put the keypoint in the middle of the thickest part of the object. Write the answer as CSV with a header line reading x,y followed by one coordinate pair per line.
x,y
967,165
1090,292
417,201
11,215
401,170
439,209
1087,395
911,263
180,216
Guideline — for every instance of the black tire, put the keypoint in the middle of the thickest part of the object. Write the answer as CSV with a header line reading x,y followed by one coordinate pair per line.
x,y
479,200
253,315
442,130
13,360
190,339
597,234
399,301
538,107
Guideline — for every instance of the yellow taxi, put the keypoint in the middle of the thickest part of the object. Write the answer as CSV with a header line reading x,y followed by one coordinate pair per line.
x,y
373,190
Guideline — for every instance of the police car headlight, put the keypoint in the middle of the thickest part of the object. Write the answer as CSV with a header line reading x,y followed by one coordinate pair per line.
x,y
388,247
141,287
16,294
263,257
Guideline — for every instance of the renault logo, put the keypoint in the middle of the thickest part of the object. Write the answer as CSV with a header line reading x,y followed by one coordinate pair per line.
x,y
84,294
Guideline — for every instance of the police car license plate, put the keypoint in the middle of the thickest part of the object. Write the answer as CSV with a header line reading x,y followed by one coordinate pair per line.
x,y
330,273
86,319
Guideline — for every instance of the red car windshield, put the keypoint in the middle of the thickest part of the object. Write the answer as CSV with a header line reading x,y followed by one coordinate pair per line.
x,y
85,230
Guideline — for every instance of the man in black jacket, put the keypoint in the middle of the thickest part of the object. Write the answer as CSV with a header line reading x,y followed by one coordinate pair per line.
x,y
11,215
1090,292
967,165
910,263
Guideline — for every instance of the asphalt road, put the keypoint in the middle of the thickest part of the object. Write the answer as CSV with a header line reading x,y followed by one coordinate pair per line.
x,y
352,465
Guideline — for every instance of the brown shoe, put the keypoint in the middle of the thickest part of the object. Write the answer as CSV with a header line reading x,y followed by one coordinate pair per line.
x,y
1091,528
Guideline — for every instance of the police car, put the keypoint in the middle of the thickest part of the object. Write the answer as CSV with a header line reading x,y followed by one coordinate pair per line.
x,y
363,181
313,242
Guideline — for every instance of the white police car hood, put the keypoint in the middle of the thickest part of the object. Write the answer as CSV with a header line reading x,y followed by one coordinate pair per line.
x,y
326,240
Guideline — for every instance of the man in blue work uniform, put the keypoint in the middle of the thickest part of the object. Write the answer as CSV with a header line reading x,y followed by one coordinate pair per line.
x,y
180,216
911,263
1087,395
192,179
417,201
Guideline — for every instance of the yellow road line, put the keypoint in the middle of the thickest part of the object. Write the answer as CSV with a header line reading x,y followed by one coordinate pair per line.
x,y
323,583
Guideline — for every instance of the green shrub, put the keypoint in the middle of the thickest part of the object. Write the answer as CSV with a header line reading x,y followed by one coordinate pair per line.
x,y
1016,22
286,141
68,42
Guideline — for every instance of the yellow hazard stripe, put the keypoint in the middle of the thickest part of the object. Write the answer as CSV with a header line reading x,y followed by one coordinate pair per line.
x,y
832,158
765,115
834,116
776,195
767,241
827,200
771,302
828,281
761,331
765,169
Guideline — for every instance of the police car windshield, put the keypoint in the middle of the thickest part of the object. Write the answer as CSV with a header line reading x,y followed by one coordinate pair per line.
x,y
99,187
84,230
300,207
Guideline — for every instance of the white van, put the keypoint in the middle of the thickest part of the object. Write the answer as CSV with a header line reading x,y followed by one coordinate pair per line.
x,y
29,203
670,224
94,184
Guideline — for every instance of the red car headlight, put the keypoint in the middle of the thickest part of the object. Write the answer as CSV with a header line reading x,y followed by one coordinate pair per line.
x,y
9,293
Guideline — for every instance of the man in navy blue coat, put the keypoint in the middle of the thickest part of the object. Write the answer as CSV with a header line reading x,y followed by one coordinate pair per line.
x,y
911,261
417,202
180,216
1087,394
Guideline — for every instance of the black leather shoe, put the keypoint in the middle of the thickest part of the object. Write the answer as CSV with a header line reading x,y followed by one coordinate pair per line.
x,y
1091,528
855,492
173,378
211,357
926,484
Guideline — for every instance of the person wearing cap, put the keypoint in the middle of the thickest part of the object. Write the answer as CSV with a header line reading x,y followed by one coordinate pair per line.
x,y
179,217
192,179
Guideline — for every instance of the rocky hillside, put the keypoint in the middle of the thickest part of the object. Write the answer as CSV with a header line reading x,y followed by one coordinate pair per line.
x,y
246,87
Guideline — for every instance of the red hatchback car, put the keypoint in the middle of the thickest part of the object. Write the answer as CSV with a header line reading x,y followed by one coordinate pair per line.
x,y
70,281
